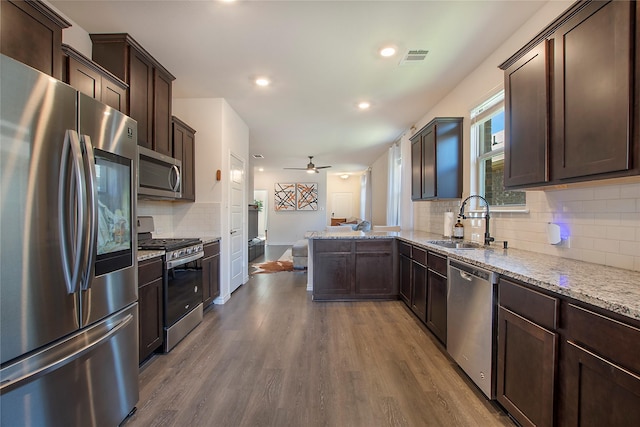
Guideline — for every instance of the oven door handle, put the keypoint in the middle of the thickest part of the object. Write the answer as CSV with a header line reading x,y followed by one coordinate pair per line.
x,y
179,262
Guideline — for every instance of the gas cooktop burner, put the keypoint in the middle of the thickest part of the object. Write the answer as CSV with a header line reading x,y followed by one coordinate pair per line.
x,y
167,244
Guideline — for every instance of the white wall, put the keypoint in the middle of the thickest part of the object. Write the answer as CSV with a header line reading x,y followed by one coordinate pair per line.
x,y
379,189
219,132
603,218
352,185
285,228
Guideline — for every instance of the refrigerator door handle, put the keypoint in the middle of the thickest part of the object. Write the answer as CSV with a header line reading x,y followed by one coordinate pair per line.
x,y
89,252
8,384
71,256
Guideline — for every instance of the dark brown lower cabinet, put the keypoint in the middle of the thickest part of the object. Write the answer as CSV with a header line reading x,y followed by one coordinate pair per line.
x,y
527,353
526,369
404,271
437,305
422,282
210,273
419,290
601,369
150,333
599,392
351,269
565,363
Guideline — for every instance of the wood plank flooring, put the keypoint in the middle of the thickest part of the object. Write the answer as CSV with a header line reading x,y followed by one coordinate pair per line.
x,y
272,357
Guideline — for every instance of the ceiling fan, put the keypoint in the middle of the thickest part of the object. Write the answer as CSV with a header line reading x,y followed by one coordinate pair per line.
x,y
311,168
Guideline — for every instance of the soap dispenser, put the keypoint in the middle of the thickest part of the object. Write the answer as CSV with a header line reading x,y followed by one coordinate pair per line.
x,y
458,230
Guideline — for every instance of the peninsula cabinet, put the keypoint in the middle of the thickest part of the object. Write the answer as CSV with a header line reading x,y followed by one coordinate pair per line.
x,y
150,331
184,150
149,93
93,80
527,353
30,32
210,273
352,269
436,160
572,98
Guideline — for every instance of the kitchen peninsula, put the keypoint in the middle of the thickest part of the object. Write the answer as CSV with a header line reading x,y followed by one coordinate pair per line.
x,y
609,288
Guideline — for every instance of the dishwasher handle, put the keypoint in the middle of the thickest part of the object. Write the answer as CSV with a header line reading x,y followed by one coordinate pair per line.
x,y
468,272
466,276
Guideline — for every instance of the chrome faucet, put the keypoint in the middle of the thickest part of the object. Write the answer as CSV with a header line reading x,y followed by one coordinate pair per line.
x,y
487,237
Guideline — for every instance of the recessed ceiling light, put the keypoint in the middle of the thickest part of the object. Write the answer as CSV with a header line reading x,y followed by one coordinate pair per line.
x,y
263,81
344,176
387,51
260,169
364,105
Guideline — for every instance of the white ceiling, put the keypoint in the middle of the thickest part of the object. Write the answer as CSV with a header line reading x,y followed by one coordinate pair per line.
x,y
322,59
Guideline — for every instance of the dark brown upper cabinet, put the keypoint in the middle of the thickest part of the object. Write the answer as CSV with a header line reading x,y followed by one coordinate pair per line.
x,y
527,120
93,80
572,98
149,94
184,138
30,32
593,92
436,160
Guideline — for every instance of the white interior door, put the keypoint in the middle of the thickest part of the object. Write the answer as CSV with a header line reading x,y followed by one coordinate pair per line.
x,y
342,205
237,209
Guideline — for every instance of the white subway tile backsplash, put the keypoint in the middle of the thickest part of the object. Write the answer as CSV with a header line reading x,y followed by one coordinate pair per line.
x,y
596,206
631,248
604,223
620,233
619,261
607,193
605,245
630,191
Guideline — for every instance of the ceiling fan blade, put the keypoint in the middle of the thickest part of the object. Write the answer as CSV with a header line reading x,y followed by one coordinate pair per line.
x,y
310,167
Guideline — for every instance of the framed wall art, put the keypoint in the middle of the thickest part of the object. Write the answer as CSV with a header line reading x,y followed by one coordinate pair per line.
x,y
284,196
307,196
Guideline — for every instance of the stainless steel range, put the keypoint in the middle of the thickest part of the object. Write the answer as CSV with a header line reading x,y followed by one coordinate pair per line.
x,y
182,282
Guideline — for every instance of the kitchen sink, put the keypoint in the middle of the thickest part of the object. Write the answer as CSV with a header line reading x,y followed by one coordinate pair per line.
x,y
451,244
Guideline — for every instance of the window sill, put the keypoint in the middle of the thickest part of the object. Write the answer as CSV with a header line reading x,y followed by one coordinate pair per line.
x,y
493,210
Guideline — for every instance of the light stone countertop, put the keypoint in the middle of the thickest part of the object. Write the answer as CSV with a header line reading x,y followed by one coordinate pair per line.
x,y
610,288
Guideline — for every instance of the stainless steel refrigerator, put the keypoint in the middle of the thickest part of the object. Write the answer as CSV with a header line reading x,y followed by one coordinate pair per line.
x,y
68,280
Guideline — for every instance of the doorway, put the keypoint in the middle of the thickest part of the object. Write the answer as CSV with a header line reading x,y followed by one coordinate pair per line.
x,y
237,208
262,196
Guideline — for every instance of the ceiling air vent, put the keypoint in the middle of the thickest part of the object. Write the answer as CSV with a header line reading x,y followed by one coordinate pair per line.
x,y
258,156
413,56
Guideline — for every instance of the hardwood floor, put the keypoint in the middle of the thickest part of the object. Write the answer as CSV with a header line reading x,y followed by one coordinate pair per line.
x,y
272,357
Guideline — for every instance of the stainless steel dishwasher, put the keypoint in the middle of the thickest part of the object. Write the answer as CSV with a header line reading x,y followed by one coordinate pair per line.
x,y
470,322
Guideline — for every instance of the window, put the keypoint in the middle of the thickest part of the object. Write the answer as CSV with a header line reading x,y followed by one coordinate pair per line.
x,y
487,139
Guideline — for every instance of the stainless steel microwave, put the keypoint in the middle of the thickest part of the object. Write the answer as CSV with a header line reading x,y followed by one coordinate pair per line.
x,y
159,176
